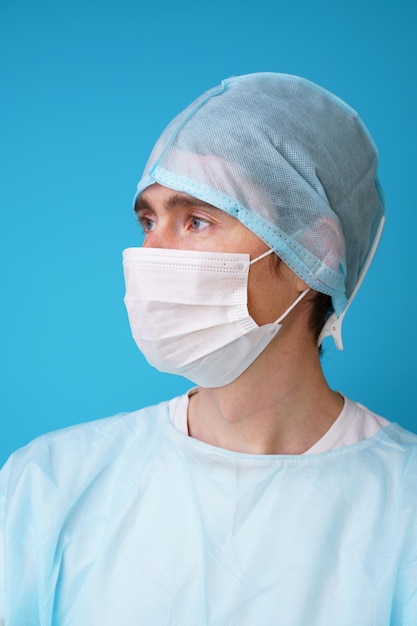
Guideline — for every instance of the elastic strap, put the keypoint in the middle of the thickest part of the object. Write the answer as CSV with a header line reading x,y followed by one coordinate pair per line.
x,y
300,297
333,325
267,253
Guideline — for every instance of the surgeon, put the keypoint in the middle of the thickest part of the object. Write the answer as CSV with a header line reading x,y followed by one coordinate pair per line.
x,y
261,497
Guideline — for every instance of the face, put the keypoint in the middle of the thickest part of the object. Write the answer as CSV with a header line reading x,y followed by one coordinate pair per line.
x,y
174,220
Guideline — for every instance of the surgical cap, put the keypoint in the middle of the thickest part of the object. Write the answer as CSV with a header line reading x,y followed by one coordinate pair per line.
x,y
292,162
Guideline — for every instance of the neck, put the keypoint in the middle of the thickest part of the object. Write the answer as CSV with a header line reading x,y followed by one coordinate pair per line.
x,y
290,410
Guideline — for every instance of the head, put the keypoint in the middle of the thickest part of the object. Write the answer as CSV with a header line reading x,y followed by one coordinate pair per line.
x,y
293,163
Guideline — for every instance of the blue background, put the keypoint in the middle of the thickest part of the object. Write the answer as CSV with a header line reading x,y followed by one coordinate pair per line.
x,y
86,88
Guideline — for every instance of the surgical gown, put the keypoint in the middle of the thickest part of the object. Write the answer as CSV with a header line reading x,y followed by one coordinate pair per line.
x,y
127,521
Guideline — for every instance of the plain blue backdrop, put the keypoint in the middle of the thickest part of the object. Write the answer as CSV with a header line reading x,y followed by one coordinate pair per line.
x,y
86,88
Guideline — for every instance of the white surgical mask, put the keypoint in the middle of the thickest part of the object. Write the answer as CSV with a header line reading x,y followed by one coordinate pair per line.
x,y
188,312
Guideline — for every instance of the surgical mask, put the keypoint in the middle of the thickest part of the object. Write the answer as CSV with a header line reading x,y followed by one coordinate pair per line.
x,y
188,312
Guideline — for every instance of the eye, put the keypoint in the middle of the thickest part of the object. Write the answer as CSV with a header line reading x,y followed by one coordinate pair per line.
x,y
198,223
146,223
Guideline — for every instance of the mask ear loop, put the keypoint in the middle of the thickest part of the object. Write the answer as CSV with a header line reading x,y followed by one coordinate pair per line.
x,y
333,325
300,297
258,258
294,304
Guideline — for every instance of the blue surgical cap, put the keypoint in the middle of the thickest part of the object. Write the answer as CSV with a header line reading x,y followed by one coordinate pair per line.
x,y
292,162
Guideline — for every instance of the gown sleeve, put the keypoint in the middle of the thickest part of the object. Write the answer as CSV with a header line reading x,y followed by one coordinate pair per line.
x,y
3,483
18,591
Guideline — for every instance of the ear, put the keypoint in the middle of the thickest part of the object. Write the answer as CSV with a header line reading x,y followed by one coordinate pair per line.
x,y
291,278
300,285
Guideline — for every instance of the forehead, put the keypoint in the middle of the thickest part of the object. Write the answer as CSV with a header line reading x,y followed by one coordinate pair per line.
x,y
157,196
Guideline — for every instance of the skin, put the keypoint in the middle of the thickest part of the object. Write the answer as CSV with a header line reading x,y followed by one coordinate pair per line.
x,y
282,403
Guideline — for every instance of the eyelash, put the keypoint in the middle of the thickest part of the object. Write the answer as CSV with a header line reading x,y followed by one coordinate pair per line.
x,y
194,218
144,221
147,224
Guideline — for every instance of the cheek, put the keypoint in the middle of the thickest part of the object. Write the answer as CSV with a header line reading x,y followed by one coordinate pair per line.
x,y
265,295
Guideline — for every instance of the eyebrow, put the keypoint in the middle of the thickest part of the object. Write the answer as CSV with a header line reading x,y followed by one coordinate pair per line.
x,y
178,199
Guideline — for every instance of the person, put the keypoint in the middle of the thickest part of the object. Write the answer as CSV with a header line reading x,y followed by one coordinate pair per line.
x,y
262,496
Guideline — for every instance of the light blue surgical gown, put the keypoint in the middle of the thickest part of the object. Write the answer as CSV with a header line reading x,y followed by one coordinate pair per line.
x,y
128,522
